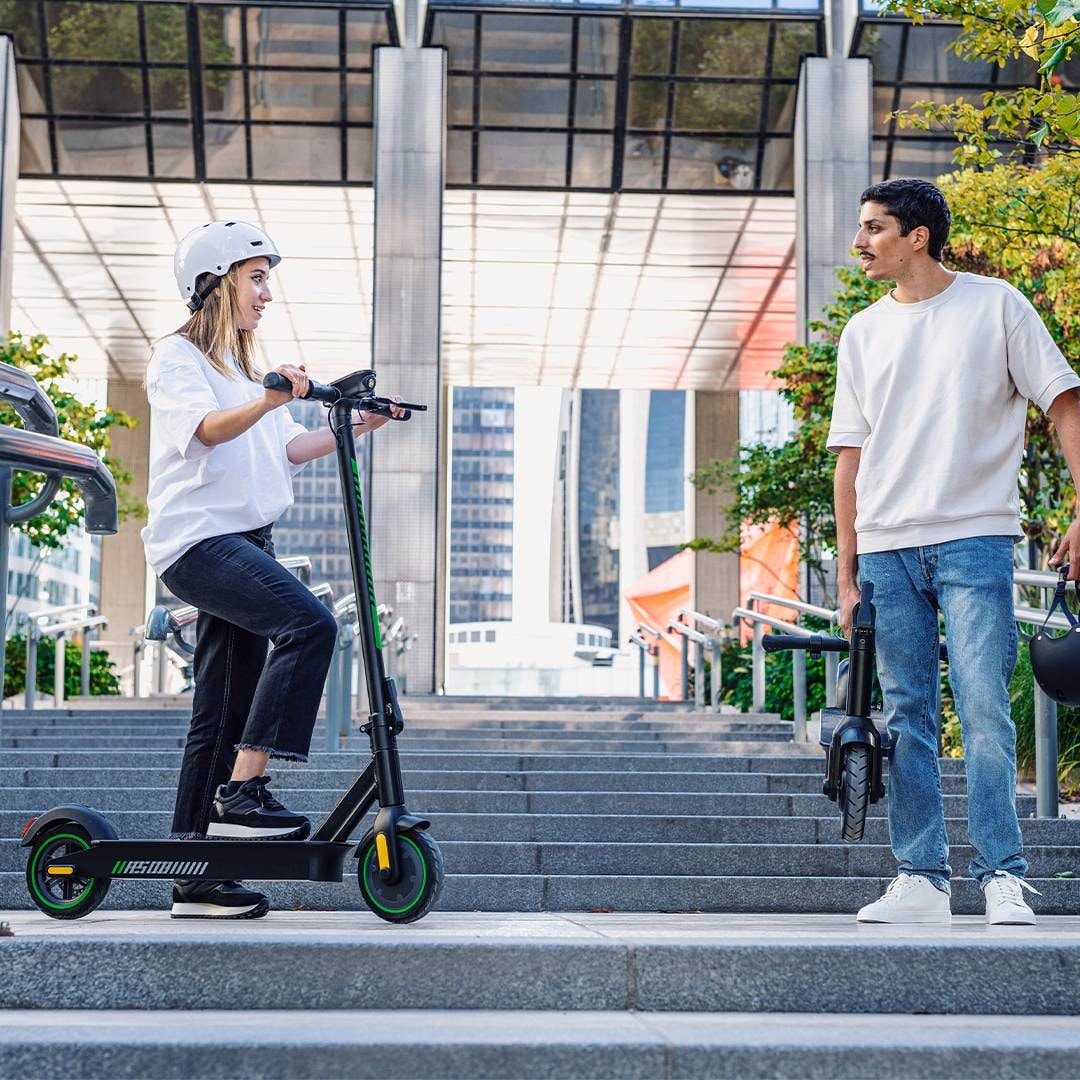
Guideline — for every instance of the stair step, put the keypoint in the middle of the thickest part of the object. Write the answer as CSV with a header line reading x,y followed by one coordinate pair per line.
x,y
481,856
393,1045
337,780
436,801
689,963
617,827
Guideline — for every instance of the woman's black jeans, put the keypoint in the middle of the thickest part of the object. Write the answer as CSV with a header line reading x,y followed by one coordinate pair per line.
x,y
242,700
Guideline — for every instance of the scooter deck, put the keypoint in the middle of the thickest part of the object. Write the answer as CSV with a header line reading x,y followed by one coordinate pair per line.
x,y
273,860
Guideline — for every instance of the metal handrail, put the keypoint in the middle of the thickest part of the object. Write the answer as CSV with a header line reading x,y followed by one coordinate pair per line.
x,y
39,627
52,612
705,620
795,605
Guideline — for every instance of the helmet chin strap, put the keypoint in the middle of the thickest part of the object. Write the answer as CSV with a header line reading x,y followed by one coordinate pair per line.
x,y
198,299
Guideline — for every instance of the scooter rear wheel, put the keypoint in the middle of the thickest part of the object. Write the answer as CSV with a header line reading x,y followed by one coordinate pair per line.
x,y
62,896
855,780
418,887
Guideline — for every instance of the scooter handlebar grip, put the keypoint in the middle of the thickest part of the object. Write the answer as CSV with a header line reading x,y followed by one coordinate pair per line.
x,y
317,391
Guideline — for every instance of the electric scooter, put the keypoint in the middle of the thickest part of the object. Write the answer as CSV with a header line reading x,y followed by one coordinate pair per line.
x,y
856,741
75,852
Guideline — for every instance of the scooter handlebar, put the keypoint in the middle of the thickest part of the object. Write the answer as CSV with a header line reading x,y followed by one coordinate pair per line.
x,y
793,642
818,644
317,391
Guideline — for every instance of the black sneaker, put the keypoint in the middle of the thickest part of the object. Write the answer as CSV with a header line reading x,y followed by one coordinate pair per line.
x,y
245,810
194,899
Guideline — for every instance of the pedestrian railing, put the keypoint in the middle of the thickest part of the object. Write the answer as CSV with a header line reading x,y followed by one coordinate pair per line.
x,y
58,623
36,449
640,639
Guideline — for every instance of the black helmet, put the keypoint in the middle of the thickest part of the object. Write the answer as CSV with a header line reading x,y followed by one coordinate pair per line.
x,y
1055,660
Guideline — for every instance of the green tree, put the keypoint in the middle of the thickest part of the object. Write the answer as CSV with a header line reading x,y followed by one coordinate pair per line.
x,y
1045,115
103,678
792,484
81,422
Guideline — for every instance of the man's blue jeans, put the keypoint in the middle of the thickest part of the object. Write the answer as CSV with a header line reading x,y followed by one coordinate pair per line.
x,y
970,582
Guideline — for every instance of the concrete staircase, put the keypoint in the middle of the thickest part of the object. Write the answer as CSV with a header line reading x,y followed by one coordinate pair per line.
x,y
629,894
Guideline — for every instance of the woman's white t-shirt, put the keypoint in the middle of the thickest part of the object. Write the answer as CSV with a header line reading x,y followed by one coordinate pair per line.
x,y
198,491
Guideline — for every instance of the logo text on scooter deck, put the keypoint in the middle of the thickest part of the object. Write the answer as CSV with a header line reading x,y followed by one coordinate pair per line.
x,y
164,868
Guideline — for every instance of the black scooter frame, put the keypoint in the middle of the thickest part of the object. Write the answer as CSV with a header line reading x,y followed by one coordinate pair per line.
x,y
322,856
855,724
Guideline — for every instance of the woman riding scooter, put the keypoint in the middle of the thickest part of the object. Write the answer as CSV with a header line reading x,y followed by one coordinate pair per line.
x,y
223,452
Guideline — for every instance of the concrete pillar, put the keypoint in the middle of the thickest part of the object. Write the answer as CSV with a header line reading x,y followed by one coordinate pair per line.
x,y
125,577
9,173
408,480
633,541
715,585
833,126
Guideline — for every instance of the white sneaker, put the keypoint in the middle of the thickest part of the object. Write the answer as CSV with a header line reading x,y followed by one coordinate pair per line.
x,y
1005,903
910,898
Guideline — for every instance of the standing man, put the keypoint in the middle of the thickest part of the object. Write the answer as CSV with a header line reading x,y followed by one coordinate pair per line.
x,y
932,386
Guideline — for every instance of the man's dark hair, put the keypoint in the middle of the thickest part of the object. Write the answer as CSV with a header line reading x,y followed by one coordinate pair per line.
x,y
914,203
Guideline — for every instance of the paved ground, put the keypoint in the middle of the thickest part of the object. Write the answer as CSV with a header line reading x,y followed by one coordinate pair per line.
x,y
621,928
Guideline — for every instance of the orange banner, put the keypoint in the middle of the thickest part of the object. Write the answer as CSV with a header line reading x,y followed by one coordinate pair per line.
x,y
768,563
655,600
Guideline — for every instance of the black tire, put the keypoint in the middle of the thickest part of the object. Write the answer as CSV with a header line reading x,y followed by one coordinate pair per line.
x,y
418,887
855,779
62,897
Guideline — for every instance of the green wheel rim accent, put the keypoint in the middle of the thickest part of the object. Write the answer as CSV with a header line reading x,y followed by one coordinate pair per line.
x,y
423,881
33,875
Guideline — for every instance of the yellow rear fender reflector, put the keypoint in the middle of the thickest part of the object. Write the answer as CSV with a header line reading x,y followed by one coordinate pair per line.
x,y
59,871
383,851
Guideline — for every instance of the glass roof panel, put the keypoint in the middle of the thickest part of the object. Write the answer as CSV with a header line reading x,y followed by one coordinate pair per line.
x,y
539,288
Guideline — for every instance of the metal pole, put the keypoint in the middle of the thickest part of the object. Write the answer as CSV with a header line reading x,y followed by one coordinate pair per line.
x,y
758,668
5,540
136,658
832,665
798,687
85,673
656,672
684,687
716,675
162,666
345,721
699,675
641,671
31,664
333,685
58,672
1046,756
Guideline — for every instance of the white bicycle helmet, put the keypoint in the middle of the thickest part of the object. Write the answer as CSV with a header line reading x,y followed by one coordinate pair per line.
x,y
211,249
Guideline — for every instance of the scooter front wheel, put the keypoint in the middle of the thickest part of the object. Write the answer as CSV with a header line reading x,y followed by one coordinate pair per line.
x,y
62,895
854,795
416,889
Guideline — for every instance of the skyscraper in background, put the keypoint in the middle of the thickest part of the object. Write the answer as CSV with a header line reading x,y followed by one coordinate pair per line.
x,y
481,504
314,525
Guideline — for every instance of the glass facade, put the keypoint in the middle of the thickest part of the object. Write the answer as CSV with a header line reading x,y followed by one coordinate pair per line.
x,y
665,472
481,561
314,524
914,63
621,103
134,88
598,508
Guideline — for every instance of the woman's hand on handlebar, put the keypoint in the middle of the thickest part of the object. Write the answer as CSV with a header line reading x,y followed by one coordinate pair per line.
x,y
849,597
373,421
297,375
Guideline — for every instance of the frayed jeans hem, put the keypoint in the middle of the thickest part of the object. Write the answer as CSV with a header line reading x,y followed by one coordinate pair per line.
x,y
277,755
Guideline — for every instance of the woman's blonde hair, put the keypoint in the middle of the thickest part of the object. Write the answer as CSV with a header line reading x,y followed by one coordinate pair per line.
x,y
213,329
